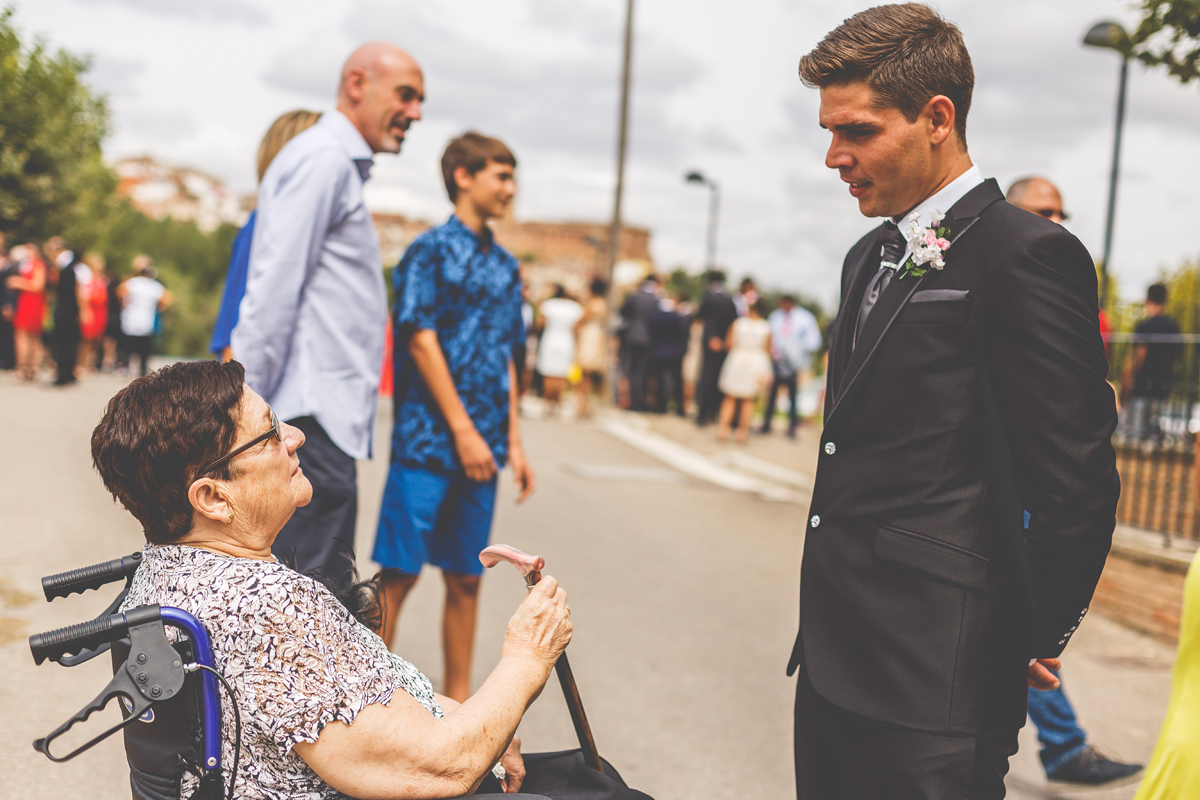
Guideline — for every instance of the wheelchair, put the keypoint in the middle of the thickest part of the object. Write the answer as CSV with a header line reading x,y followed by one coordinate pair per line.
x,y
171,704
154,680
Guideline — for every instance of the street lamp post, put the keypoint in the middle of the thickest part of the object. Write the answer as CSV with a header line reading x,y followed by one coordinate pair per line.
x,y
614,229
1112,36
714,207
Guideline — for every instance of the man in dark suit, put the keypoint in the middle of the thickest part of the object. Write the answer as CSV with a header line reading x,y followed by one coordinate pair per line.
x,y
717,311
66,310
636,312
966,384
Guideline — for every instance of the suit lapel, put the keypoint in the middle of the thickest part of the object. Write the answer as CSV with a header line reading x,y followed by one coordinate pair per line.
x,y
960,218
843,333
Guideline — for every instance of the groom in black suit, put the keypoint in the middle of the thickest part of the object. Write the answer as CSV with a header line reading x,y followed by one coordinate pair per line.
x,y
966,386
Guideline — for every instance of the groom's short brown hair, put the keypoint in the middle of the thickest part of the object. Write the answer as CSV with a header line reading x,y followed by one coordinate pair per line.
x,y
906,53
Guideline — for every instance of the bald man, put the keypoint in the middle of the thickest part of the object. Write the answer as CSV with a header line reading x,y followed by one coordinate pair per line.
x,y
311,326
1066,755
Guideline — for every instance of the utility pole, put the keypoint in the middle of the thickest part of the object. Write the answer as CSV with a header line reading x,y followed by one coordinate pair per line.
x,y
614,233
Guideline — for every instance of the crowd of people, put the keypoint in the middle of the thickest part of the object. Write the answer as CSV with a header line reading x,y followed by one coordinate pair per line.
x,y
66,315
720,359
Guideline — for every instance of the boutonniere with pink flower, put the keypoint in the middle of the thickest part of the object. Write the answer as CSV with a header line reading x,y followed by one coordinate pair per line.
x,y
925,243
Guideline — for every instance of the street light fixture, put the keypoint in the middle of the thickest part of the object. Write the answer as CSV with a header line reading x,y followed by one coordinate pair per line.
x,y
714,203
1112,36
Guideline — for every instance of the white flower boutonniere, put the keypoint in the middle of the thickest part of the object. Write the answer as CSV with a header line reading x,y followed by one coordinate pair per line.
x,y
927,244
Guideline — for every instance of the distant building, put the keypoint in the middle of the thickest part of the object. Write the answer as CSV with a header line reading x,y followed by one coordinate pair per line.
x,y
181,193
570,253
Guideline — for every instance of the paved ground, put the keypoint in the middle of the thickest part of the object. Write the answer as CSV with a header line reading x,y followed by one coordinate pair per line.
x,y
683,593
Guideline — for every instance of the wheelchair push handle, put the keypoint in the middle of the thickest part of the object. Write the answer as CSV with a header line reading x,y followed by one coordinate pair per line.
x,y
88,635
91,577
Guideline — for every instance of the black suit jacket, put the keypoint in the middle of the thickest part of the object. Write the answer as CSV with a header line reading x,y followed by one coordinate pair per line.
x,y
637,310
974,393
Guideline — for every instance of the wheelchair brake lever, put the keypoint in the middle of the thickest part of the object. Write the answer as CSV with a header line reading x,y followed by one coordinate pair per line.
x,y
88,655
152,673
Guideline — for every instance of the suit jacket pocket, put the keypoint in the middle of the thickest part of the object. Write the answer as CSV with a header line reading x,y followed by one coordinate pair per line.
x,y
932,559
944,306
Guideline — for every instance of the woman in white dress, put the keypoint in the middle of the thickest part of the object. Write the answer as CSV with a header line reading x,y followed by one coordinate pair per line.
x,y
747,370
556,350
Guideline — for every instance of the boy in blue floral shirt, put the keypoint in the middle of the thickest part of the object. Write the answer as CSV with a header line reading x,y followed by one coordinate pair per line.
x,y
456,319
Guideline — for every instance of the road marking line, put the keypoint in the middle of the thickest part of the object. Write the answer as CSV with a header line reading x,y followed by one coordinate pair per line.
x,y
690,462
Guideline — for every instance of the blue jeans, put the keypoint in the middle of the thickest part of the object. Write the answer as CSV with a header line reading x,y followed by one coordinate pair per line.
x,y
1058,731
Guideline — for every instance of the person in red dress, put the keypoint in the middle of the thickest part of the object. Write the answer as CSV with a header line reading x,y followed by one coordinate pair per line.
x,y
93,311
30,282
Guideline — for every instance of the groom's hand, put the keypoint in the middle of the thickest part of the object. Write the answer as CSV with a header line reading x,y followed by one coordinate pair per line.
x,y
1040,675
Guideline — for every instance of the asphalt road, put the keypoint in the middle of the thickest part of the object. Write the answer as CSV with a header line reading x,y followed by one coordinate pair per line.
x,y
683,596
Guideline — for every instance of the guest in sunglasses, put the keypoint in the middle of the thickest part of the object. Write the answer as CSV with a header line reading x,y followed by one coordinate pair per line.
x,y
212,475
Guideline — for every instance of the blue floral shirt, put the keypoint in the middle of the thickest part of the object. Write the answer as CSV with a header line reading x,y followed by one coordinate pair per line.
x,y
467,289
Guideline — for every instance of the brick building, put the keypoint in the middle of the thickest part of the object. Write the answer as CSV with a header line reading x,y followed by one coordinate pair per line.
x,y
181,193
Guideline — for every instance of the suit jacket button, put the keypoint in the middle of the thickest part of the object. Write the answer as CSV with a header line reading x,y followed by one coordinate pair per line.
x,y
1062,641
830,448
815,521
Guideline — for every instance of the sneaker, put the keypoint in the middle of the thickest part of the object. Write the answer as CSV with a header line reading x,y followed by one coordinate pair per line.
x,y
1091,768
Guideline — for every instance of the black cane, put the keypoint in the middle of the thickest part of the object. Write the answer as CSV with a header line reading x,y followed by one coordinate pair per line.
x,y
531,568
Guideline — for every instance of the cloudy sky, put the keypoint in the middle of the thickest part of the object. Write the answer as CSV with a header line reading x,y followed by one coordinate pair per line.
x,y
197,82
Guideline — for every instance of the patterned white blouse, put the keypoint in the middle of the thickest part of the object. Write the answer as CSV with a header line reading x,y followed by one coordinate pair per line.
x,y
293,654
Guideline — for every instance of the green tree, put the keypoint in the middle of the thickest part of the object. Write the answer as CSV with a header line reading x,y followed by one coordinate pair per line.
x,y
52,170
53,181
1169,36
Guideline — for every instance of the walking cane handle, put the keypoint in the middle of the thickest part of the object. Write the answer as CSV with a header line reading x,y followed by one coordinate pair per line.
x,y
529,566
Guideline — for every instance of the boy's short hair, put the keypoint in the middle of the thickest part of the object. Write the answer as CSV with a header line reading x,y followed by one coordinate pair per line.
x,y
472,150
906,53
1157,294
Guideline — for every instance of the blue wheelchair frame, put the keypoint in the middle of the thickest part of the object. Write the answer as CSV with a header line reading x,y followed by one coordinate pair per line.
x,y
154,671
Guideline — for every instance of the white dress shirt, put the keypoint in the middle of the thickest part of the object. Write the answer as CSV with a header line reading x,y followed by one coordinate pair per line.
x,y
311,325
941,201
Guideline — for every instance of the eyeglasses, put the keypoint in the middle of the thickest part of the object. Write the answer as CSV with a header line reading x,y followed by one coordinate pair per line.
x,y
274,432
1050,212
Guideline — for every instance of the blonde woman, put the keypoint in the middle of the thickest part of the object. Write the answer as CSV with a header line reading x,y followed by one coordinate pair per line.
x,y
280,133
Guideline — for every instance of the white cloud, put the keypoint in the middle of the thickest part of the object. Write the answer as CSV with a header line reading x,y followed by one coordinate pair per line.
x,y
209,10
715,88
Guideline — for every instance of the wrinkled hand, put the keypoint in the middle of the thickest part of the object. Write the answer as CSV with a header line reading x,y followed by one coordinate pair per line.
x,y
514,767
1040,675
541,628
475,456
522,473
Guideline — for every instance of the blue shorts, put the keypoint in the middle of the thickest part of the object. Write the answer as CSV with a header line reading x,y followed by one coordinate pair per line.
x,y
433,518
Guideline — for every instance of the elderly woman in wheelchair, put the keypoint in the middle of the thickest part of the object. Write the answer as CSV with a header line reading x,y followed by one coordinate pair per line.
x,y
212,475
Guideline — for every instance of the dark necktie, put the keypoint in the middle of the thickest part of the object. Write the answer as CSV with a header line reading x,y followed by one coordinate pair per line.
x,y
891,252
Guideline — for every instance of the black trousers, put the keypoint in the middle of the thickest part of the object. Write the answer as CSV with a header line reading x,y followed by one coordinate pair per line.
x,y
782,381
319,538
668,375
840,756
708,395
66,352
142,347
637,358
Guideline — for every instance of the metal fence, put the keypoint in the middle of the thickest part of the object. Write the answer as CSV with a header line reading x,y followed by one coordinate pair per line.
x,y
1156,438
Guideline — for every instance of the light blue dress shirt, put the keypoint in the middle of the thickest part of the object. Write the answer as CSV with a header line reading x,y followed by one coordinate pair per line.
x,y
795,336
311,327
